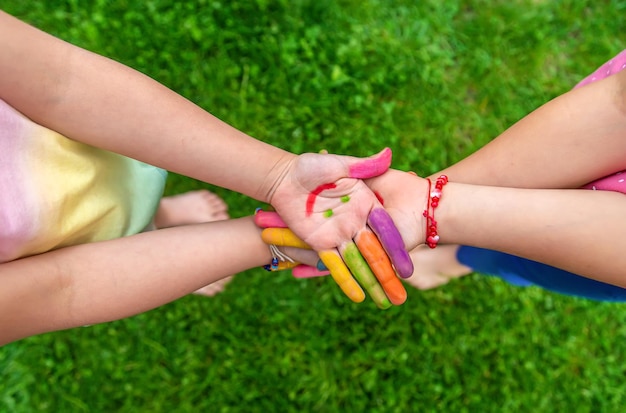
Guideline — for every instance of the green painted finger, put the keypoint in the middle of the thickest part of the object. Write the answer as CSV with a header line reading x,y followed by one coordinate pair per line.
x,y
364,275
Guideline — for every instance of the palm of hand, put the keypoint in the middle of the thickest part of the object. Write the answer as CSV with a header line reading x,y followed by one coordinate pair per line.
x,y
321,203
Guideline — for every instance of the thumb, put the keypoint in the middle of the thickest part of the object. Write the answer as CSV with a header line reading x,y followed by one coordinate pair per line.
x,y
375,165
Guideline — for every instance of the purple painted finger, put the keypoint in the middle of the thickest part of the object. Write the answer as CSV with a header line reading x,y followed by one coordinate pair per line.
x,y
381,223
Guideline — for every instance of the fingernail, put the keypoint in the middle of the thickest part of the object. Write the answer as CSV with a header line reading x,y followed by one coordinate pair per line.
x,y
320,266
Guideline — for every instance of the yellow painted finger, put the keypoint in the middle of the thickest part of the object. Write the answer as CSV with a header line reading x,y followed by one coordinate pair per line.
x,y
342,276
285,265
283,237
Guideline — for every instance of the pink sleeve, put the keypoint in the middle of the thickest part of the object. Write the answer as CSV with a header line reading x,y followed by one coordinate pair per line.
x,y
611,67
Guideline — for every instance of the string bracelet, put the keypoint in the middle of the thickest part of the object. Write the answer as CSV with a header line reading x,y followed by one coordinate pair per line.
x,y
277,257
434,196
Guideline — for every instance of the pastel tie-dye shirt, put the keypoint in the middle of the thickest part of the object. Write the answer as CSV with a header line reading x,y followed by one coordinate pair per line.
x,y
56,192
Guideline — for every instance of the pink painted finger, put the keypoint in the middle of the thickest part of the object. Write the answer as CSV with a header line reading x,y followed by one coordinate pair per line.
x,y
373,166
306,271
268,219
381,223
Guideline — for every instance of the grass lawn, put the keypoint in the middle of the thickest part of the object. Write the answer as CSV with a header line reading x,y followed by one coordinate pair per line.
x,y
433,80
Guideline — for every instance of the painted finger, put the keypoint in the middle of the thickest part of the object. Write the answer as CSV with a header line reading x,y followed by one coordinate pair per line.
x,y
381,223
281,265
306,271
363,168
364,275
342,276
378,261
268,219
283,237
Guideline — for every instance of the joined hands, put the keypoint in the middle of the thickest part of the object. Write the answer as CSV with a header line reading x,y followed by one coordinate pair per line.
x,y
329,207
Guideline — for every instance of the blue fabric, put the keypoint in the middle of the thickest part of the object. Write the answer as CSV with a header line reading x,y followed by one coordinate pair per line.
x,y
522,272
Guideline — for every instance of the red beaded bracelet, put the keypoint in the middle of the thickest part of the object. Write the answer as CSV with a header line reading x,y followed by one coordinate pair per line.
x,y
434,195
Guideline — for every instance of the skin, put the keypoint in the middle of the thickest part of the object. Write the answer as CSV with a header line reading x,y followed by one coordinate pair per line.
x,y
283,237
99,102
82,285
379,262
364,275
342,276
86,97
391,240
517,194
380,283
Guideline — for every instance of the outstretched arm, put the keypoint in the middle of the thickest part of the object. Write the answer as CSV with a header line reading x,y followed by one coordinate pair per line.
x,y
578,230
570,141
105,281
95,100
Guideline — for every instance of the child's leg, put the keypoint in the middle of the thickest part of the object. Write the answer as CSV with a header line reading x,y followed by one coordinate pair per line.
x,y
190,208
193,207
435,267
440,265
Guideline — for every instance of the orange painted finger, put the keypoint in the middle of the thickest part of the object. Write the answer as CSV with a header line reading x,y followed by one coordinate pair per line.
x,y
342,276
380,264
283,237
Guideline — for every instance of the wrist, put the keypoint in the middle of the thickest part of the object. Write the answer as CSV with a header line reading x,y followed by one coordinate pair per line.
x,y
275,177
433,197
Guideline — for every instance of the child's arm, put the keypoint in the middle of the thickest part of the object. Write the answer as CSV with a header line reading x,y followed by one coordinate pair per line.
x,y
566,143
104,281
578,230
97,101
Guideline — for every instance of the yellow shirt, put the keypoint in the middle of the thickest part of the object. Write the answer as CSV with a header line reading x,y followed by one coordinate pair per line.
x,y
56,192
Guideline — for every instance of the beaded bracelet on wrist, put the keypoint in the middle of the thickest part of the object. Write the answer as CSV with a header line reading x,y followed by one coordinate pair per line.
x,y
434,196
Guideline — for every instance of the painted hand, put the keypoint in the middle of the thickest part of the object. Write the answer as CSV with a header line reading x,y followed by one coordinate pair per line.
x,y
324,201
277,233
404,196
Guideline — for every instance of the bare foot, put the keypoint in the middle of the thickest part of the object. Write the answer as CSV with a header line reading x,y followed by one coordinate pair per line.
x,y
194,207
435,267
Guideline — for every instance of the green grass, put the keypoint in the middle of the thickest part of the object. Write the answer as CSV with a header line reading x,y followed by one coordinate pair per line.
x,y
434,81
